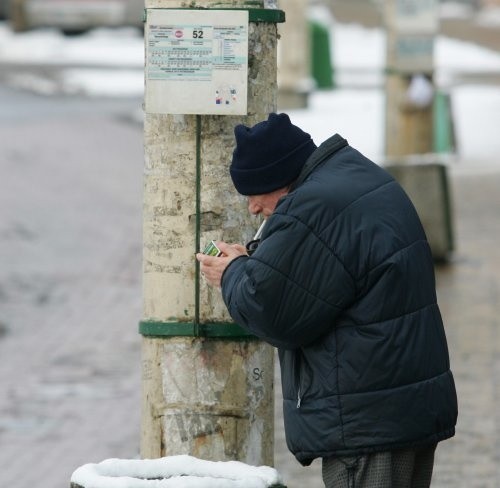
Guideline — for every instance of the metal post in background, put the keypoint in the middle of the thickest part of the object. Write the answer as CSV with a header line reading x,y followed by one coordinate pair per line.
x,y
294,60
411,27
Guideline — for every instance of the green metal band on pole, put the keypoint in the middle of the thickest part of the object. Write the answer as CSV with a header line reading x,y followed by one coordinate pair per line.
x,y
263,15
220,330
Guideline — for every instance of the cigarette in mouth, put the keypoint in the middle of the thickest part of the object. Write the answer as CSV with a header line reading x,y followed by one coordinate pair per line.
x,y
259,231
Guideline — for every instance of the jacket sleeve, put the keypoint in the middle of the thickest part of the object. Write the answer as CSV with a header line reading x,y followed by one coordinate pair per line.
x,y
291,290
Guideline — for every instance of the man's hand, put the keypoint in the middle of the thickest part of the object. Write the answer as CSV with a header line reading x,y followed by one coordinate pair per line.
x,y
213,267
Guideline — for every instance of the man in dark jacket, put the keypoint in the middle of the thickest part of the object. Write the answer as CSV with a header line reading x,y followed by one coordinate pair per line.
x,y
342,283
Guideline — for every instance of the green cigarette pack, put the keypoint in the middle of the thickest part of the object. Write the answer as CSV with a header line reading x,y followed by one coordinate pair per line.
x,y
212,250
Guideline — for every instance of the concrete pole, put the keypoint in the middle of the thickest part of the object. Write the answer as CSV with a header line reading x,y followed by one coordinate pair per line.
x,y
17,17
409,129
411,26
411,29
209,397
294,56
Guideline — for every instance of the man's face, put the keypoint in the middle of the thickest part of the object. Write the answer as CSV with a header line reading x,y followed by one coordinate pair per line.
x,y
266,203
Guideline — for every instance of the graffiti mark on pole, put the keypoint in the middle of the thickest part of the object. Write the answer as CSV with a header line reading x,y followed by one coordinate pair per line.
x,y
258,374
197,426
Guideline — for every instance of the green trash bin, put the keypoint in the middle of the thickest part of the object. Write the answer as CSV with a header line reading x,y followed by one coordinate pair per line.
x,y
444,128
174,472
321,57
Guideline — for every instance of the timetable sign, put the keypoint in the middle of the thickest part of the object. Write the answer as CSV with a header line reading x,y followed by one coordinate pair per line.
x,y
196,61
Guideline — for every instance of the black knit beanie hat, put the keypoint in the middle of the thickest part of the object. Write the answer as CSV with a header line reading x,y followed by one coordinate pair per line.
x,y
269,155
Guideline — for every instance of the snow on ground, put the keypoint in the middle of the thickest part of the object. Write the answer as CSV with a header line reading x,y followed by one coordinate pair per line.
x,y
358,114
174,472
355,114
355,109
122,47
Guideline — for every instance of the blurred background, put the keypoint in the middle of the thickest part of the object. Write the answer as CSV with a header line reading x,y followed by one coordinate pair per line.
x,y
71,157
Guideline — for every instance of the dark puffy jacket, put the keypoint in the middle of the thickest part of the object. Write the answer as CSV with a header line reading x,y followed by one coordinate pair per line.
x,y
343,284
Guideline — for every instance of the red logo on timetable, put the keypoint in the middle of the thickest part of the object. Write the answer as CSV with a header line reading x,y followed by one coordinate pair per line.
x,y
178,33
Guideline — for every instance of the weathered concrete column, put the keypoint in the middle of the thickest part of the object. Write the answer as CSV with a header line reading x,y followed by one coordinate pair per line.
x,y
409,129
411,26
294,76
203,394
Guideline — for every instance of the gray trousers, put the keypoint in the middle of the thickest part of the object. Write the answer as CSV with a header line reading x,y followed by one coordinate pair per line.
x,y
406,468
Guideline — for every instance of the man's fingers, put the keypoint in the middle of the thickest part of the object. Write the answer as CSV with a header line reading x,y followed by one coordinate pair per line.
x,y
241,249
213,267
231,250
205,259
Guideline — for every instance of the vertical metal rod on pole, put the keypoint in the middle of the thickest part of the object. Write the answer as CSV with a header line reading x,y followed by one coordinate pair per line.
x,y
198,228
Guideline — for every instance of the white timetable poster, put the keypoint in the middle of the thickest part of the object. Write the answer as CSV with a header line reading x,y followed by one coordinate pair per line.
x,y
196,61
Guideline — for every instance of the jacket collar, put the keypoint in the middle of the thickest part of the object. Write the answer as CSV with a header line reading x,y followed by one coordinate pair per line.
x,y
325,150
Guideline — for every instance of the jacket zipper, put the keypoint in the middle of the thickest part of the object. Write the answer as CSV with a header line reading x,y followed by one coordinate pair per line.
x,y
299,382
